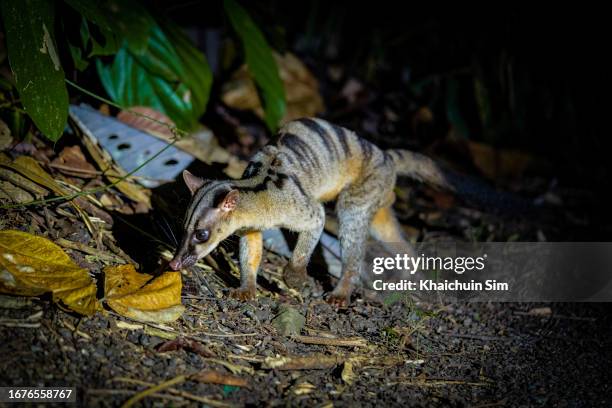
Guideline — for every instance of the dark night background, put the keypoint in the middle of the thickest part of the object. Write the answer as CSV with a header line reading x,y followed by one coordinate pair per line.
x,y
510,77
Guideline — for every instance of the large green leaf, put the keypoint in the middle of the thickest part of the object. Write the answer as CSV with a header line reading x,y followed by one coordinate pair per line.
x,y
197,74
260,62
171,76
34,60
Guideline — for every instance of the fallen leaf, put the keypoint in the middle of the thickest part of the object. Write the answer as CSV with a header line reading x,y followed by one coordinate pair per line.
x,y
33,265
13,193
143,297
30,168
22,182
140,118
217,377
301,89
288,322
72,161
499,163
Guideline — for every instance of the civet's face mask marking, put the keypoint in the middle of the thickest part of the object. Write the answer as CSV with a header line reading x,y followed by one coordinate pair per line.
x,y
206,222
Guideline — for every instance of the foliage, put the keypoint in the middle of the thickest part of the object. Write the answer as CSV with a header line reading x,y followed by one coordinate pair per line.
x,y
260,61
153,62
33,57
174,79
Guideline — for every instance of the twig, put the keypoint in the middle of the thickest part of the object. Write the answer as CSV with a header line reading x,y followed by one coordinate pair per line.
x,y
477,337
95,172
103,391
88,250
184,394
437,383
226,334
24,325
326,341
152,390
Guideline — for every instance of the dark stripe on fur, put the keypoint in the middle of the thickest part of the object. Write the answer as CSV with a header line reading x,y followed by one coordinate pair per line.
x,y
252,170
301,148
320,131
341,136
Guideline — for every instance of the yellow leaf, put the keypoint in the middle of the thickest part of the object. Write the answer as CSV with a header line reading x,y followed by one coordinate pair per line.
x,y
142,297
32,265
32,170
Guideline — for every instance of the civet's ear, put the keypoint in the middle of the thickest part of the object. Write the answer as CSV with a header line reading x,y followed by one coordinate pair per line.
x,y
193,182
230,201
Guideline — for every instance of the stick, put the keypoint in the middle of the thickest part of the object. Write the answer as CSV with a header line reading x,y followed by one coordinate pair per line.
x,y
184,394
87,250
326,341
149,391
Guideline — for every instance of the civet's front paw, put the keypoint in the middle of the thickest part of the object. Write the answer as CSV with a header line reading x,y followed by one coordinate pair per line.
x,y
295,278
338,299
243,293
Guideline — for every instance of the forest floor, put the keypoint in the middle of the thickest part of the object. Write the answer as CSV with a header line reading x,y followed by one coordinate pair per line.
x,y
224,352
477,355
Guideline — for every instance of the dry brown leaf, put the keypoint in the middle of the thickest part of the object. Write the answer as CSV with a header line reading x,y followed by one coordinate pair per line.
x,y
499,163
143,297
33,265
72,161
301,89
135,117
10,192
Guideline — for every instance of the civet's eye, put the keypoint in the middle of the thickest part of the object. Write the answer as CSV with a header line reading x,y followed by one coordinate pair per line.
x,y
202,235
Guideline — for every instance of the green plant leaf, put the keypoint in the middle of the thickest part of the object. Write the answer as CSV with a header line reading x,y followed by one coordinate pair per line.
x,y
35,63
126,18
197,74
130,84
172,76
260,62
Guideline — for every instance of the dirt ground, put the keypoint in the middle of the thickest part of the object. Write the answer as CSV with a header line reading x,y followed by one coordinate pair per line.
x,y
478,355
